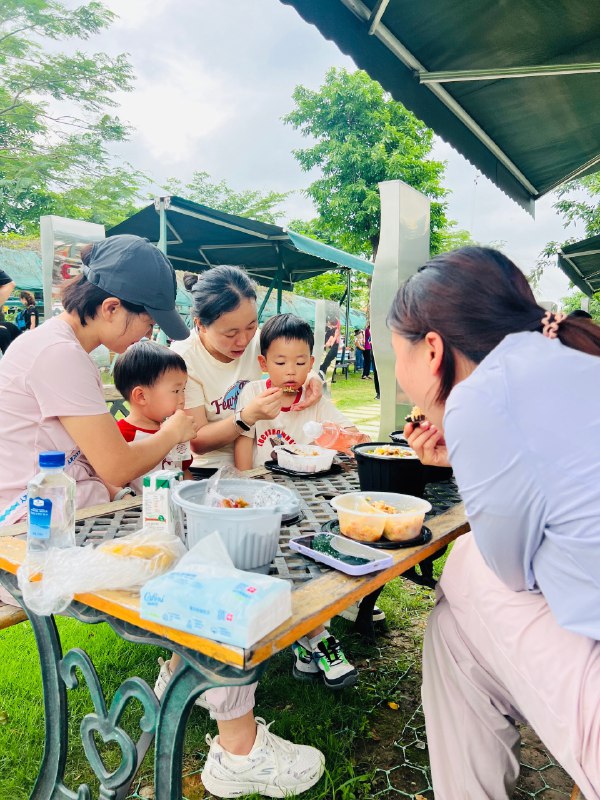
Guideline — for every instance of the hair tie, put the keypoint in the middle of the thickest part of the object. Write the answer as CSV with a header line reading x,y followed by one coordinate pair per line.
x,y
550,323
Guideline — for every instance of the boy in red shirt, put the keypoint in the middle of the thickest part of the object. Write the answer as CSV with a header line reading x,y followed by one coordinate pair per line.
x,y
152,378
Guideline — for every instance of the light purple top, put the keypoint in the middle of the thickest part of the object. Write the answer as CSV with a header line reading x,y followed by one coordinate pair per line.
x,y
523,432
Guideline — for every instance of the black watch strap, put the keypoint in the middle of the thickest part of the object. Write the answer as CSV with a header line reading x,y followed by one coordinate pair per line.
x,y
240,422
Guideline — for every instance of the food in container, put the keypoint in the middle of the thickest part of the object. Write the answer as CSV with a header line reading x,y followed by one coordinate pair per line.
x,y
403,474
390,451
416,416
307,458
229,502
367,516
250,534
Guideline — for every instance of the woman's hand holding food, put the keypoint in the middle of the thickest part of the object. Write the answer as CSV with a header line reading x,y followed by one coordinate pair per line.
x,y
312,394
428,443
182,425
264,406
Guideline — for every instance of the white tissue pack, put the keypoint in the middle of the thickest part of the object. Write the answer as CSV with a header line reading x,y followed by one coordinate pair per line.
x,y
207,596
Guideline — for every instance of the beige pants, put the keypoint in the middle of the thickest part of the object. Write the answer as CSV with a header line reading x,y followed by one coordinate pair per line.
x,y
493,656
230,702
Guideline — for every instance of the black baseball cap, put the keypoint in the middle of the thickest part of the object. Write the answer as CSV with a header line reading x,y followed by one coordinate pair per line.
x,y
132,269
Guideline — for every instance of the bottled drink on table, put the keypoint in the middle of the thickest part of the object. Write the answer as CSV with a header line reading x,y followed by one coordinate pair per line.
x,y
50,507
333,436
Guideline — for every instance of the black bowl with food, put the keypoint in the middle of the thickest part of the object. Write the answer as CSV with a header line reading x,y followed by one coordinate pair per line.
x,y
432,474
383,467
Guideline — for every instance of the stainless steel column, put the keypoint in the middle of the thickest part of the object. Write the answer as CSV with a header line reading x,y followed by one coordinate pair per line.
x,y
403,248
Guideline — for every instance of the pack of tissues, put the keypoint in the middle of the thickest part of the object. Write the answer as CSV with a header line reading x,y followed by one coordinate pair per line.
x,y
207,596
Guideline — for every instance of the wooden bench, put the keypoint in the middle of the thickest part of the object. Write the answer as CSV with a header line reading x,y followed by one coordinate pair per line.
x,y
576,794
10,615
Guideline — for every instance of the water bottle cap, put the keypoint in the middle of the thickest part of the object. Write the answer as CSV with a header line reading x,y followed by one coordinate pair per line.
x,y
312,429
52,458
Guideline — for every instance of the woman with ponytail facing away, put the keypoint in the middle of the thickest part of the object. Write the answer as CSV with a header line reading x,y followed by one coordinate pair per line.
x,y
510,393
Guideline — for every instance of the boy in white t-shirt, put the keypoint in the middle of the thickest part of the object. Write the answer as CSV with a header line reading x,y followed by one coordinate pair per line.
x,y
152,379
286,344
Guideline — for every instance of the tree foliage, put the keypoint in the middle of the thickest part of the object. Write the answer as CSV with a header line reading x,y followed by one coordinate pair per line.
x,y
55,120
250,203
361,137
573,301
577,201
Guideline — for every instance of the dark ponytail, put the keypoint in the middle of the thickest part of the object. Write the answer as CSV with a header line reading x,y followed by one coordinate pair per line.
x,y
472,298
218,291
84,298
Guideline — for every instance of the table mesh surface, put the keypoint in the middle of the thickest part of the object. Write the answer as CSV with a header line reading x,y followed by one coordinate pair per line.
x,y
314,493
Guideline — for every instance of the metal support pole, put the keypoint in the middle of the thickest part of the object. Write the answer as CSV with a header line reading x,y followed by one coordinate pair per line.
x,y
347,334
161,204
266,300
279,278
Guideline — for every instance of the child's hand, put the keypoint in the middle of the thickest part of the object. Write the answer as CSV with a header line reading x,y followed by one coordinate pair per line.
x,y
428,443
182,426
264,406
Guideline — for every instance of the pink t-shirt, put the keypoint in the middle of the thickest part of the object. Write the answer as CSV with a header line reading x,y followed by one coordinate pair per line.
x,y
46,374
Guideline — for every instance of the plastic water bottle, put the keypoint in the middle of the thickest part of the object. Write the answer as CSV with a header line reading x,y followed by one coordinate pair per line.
x,y
333,436
50,507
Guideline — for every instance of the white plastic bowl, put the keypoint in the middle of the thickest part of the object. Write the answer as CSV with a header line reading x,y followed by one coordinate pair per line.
x,y
251,535
305,463
366,526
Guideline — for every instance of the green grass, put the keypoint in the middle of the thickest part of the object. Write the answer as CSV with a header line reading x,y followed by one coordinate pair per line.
x,y
350,728
341,725
348,394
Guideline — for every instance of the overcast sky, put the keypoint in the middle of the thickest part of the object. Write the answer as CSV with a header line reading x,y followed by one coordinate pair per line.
x,y
215,79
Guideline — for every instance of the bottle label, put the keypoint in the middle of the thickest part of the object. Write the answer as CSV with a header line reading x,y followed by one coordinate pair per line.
x,y
40,517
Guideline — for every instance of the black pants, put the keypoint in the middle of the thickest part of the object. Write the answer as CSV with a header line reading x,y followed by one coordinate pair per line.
x,y
375,377
331,356
367,363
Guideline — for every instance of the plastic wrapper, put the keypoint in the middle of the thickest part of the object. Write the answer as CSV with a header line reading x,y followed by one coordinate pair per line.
x,y
49,585
218,496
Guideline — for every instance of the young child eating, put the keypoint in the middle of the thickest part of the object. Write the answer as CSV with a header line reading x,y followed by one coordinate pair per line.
x,y
152,379
286,344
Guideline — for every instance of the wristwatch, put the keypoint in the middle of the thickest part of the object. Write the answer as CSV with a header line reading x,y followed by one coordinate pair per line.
x,y
240,422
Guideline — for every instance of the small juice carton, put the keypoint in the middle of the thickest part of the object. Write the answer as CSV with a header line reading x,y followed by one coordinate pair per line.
x,y
159,511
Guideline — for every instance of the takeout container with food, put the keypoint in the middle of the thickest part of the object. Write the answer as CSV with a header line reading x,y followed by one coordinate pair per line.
x,y
383,467
304,458
250,532
369,516
432,474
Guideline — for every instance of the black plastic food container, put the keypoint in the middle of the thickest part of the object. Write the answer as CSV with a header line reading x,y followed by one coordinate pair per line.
x,y
376,474
432,474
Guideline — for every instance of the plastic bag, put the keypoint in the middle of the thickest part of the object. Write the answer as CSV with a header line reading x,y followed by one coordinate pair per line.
x,y
218,494
124,563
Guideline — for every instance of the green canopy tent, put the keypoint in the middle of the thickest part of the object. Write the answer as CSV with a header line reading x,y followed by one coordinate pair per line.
x,y
195,238
509,85
24,267
581,263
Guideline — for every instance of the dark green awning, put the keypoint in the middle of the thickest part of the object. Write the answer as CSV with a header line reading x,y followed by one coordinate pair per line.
x,y
581,263
512,85
199,237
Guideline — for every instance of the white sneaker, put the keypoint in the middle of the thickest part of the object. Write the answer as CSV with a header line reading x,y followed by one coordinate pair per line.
x,y
164,676
335,668
273,768
351,613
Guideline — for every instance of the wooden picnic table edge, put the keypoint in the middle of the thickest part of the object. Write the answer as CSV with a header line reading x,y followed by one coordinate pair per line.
x,y
308,608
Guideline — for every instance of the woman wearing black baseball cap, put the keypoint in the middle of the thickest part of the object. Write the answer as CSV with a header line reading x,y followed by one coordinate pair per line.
x,y
52,396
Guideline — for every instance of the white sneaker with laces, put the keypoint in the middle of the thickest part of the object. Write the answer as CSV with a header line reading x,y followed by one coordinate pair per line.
x,y
273,768
351,613
164,676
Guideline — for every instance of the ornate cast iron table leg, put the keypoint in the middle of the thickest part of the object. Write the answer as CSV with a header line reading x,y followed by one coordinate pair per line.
x,y
165,721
